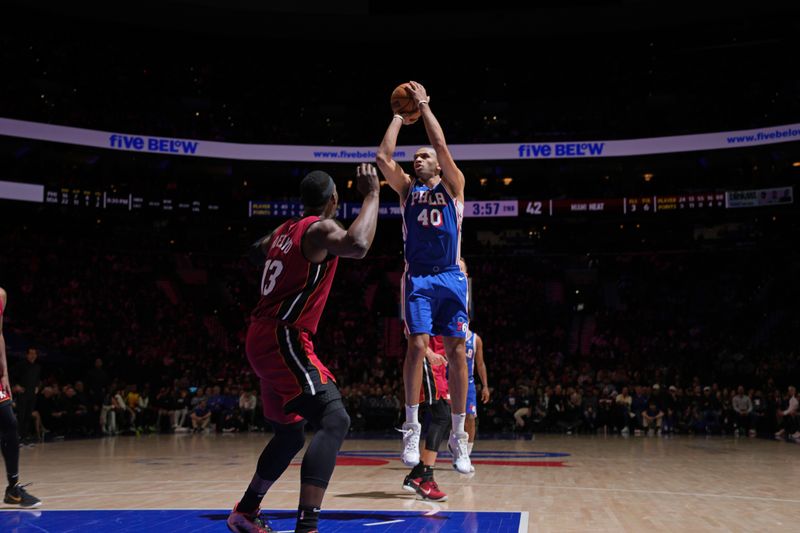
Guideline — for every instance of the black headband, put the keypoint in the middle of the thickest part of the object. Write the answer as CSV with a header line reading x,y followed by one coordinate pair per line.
x,y
316,188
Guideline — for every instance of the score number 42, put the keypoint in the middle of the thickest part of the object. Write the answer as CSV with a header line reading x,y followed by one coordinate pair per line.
x,y
534,208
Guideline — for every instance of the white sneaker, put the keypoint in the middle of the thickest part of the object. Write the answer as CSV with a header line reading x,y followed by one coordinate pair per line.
x,y
411,433
457,444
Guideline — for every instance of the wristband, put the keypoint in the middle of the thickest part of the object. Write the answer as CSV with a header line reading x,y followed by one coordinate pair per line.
x,y
423,102
398,116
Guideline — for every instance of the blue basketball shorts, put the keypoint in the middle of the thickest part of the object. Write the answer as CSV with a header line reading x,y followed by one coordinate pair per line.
x,y
436,303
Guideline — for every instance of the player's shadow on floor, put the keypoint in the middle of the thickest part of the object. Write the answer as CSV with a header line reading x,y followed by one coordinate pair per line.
x,y
326,515
375,495
216,517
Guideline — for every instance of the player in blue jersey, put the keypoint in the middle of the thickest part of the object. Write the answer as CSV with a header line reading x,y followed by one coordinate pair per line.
x,y
474,349
434,288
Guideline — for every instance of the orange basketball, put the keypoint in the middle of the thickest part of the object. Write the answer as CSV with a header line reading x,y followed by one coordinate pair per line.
x,y
403,103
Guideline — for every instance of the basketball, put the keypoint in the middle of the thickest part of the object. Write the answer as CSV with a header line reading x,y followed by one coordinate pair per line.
x,y
403,103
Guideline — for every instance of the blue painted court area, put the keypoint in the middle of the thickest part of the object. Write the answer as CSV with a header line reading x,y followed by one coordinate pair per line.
x,y
185,520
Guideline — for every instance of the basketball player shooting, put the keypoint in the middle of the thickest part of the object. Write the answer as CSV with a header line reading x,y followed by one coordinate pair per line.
x,y
434,289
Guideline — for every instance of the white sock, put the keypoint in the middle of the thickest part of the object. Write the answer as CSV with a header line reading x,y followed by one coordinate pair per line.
x,y
470,445
458,422
412,412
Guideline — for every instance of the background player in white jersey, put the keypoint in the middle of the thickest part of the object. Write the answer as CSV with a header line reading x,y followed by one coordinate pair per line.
x,y
434,289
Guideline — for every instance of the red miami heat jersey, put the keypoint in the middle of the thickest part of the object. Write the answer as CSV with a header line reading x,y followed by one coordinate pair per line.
x,y
293,290
434,378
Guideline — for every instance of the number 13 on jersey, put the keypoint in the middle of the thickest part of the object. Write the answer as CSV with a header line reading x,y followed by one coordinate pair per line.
x,y
272,269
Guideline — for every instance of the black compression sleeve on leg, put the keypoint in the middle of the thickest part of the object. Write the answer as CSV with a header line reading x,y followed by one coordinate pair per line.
x,y
281,449
9,442
439,427
274,459
320,458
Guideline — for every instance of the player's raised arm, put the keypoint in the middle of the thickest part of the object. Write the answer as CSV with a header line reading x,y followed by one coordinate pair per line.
x,y
398,180
328,237
452,177
259,249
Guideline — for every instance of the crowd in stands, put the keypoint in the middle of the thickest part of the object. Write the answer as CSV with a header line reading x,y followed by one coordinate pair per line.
x,y
700,342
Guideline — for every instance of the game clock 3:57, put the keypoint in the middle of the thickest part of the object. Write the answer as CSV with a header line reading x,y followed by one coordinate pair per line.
x,y
496,208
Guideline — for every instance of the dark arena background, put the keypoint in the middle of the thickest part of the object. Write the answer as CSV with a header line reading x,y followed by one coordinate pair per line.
x,y
630,228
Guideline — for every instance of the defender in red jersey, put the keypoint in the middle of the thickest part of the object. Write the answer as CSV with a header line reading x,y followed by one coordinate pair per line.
x,y
9,437
300,259
434,373
435,397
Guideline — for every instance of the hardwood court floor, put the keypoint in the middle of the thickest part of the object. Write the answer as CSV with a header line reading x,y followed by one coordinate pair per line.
x,y
564,483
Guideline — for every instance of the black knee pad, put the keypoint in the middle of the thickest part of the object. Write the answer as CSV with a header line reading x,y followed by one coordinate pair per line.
x,y
332,425
331,417
440,414
439,425
336,421
434,437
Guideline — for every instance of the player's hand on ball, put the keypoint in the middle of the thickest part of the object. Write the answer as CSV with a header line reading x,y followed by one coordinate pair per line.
x,y
418,93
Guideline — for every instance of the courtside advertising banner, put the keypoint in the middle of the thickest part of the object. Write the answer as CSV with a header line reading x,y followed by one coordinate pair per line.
x,y
349,154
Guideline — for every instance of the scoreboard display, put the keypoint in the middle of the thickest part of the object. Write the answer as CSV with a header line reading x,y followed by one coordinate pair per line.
x,y
118,201
79,198
622,206
275,209
691,201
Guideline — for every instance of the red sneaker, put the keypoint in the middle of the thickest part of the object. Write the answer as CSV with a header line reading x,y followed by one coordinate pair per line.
x,y
247,522
411,484
429,490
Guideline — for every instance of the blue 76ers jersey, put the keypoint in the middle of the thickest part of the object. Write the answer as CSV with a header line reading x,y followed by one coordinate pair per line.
x,y
470,345
431,227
